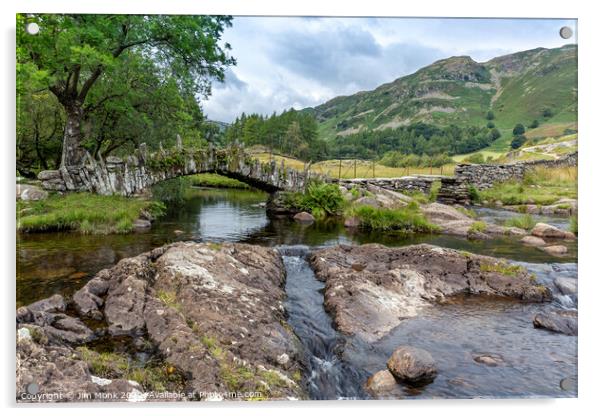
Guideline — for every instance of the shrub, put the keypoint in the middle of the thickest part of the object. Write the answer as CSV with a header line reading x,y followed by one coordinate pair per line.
x,y
405,220
534,124
518,141
518,130
434,191
490,125
321,199
172,191
476,158
490,115
495,134
526,222
473,194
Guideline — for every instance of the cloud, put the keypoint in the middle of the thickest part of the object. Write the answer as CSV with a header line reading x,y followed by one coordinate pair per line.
x,y
300,61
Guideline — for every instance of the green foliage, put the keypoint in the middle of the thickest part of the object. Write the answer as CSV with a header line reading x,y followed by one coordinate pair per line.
x,y
490,115
495,134
407,220
468,212
430,141
292,133
397,159
322,199
434,191
122,77
473,194
534,124
526,222
85,213
490,125
547,113
172,191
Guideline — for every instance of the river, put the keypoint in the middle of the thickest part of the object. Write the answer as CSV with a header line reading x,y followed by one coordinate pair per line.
x,y
534,361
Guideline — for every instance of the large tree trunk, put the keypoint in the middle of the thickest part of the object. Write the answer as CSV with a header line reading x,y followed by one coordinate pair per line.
x,y
73,153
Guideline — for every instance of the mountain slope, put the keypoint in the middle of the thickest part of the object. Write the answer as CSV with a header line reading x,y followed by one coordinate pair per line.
x,y
518,88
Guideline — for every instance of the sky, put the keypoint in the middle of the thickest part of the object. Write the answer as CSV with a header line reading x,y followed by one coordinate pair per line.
x,y
299,62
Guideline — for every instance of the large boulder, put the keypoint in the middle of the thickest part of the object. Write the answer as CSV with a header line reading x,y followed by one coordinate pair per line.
x,y
381,384
371,288
530,240
27,192
555,250
549,231
412,365
562,321
566,285
304,217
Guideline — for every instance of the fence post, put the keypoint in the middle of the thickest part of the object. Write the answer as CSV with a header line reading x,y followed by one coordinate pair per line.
x,y
354,168
340,166
374,169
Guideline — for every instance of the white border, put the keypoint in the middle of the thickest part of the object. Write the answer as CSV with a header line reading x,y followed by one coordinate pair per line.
x,y
590,151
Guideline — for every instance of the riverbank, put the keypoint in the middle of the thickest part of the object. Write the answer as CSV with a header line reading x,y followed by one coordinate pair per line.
x,y
87,213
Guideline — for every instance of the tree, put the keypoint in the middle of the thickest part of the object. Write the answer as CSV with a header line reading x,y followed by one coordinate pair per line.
x,y
547,113
518,130
490,115
490,125
495,134
518,141
72,53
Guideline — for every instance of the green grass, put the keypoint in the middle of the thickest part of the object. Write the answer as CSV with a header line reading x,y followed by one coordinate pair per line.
x,y
85,213
406,220
152,376
574,225
213,180
477,227
526,222
541,186
502,268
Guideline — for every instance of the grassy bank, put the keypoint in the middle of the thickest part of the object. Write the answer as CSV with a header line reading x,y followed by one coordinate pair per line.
x,y
213,180
406,220
321,200
541,186
85,213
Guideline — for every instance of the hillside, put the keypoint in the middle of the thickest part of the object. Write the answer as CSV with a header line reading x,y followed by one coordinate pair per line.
x,y
518,88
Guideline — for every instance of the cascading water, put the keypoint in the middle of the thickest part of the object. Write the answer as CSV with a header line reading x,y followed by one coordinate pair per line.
x,y
328,376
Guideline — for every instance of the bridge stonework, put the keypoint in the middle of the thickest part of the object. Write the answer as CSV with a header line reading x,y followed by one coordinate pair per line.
x,y
139,171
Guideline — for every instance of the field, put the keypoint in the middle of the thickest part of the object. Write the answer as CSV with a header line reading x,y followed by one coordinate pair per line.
x,y
356,168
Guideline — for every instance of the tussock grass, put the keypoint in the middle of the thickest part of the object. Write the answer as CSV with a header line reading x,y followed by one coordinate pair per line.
x,y
526,222
85,213
407,220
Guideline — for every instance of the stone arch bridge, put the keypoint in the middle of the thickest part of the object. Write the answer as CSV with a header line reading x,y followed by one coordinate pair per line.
x,y
137,172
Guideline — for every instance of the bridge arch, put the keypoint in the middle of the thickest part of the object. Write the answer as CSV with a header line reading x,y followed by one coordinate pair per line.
x,y
139,171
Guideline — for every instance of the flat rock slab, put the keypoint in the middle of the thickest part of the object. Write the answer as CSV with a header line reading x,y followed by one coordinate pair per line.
x,y
212,312
561,321
371,288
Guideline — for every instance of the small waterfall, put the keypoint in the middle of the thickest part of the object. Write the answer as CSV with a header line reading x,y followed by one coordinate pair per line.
x,y
328,376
